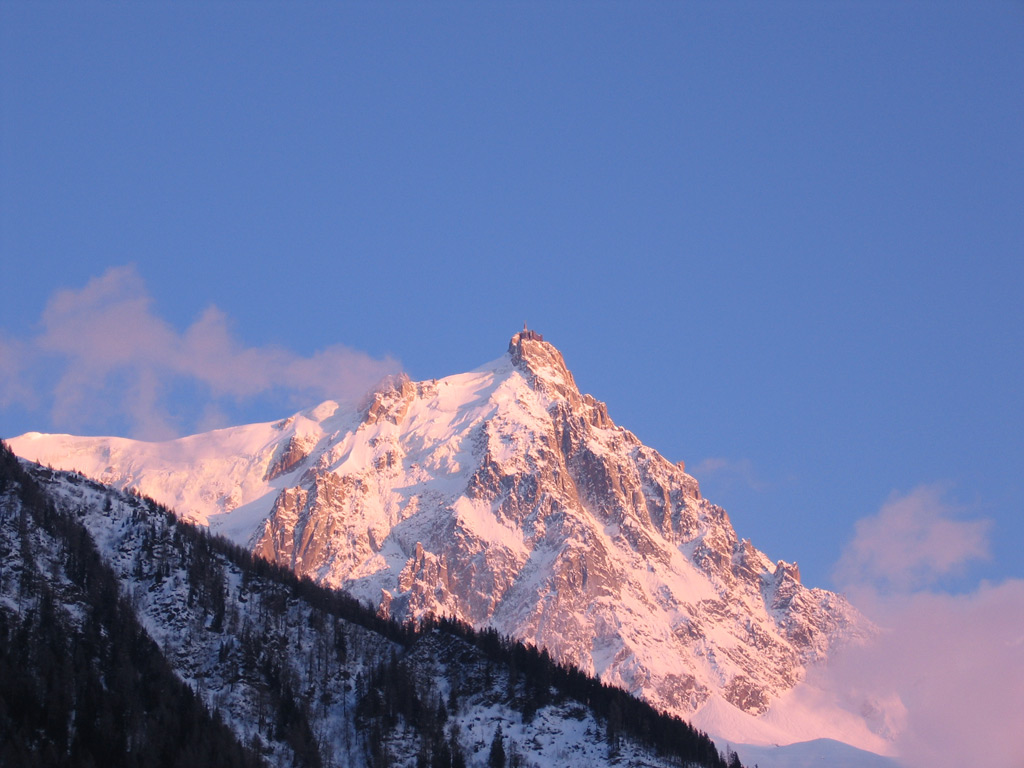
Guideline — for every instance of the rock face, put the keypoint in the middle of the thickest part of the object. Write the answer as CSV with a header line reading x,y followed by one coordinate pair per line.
x,y
506,498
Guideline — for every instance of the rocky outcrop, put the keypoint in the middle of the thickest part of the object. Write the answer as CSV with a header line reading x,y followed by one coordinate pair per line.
x,y
391,400
290,455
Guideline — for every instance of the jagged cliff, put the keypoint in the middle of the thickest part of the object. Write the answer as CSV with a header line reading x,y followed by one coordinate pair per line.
x,y
503,497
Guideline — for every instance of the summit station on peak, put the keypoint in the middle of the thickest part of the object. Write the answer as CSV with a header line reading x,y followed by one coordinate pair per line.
x,y
529,350
505,498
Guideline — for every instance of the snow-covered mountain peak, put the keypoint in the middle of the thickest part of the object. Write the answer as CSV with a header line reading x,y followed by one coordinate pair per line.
x,y
502,497
542,362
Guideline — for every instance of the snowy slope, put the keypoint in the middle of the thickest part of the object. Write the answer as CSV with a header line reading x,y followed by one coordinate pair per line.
x,y
292,675
811,754
504,497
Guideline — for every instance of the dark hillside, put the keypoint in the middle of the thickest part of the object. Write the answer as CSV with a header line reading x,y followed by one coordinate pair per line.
x,y
82,682
293,673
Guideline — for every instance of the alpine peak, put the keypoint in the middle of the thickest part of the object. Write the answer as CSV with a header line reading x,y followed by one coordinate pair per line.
x,y
542,362
505,498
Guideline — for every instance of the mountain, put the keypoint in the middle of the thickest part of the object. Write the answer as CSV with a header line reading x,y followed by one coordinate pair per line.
x,y
506,498
128,637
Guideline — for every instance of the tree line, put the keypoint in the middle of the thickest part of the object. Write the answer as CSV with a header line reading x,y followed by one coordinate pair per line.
x,y
50,664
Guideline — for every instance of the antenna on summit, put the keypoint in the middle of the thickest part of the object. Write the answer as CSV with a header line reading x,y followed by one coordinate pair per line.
x,y
531,335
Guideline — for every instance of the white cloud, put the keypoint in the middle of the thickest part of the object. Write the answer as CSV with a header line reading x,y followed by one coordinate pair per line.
x,y
946,674
912,541
947,671
114,357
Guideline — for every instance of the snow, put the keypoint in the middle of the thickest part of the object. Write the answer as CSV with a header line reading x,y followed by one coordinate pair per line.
x,y
403,484
218,478
210,663
809,754
480,519
204,476
240,523
804,713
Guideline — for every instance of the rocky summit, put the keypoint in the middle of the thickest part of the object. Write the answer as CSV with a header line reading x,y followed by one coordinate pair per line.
x,y
505,498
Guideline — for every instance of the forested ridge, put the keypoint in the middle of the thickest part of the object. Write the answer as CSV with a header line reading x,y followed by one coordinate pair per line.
x,y
96,691
164,645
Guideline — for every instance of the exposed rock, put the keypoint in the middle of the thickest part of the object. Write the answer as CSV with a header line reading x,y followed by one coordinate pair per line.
x,y
290,455
391,400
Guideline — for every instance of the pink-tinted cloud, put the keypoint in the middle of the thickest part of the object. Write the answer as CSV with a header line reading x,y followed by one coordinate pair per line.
x,y
912,541
945,677
114,356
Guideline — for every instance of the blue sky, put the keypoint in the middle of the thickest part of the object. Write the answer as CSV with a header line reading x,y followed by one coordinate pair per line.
x,y
782,243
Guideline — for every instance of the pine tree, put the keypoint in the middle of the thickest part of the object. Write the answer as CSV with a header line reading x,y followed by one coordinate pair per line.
x,y
496,757
458,757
